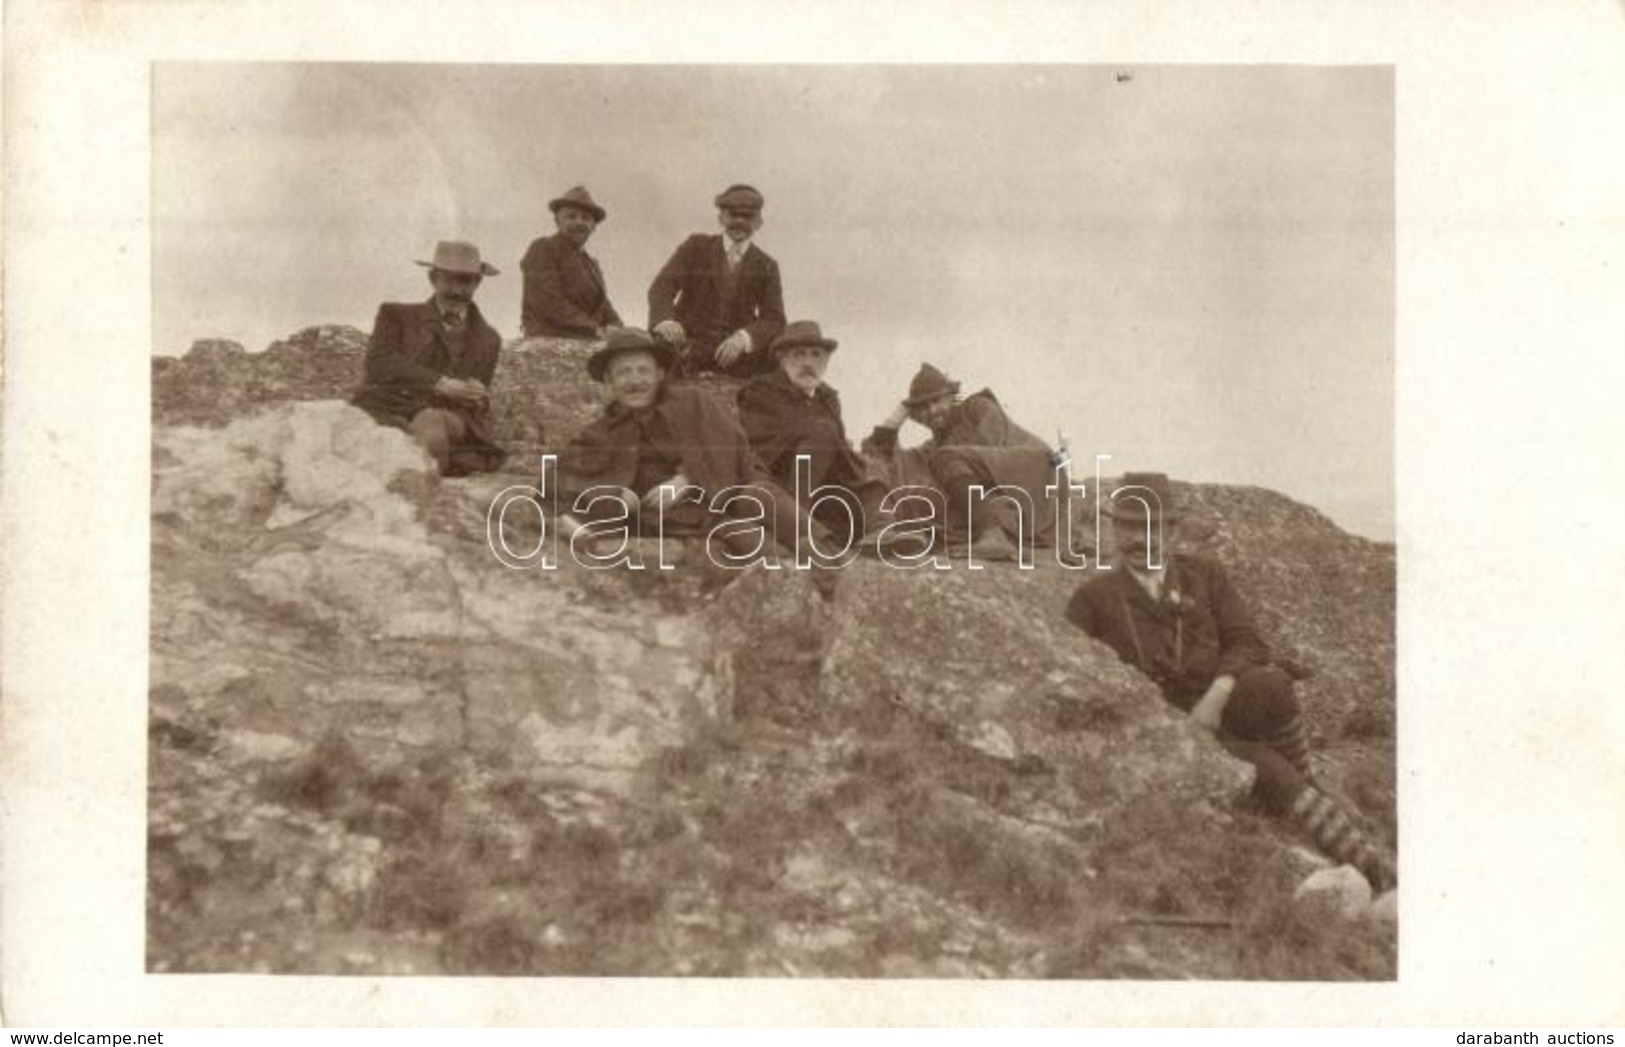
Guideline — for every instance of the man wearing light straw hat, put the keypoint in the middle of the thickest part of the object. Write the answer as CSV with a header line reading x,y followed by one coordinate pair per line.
x,y
429,365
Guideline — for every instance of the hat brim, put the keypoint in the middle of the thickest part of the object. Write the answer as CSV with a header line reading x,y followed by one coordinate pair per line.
x,y
485,269
822,343
951,389
598,213
598,363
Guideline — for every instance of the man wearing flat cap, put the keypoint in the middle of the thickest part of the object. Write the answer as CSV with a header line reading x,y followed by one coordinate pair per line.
x,y
565,295
653,441
429,365
718,299
973,443
790,412
1177,618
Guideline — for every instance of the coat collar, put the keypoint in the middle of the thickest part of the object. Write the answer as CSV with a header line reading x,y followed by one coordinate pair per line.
x,y
1172,585
721,240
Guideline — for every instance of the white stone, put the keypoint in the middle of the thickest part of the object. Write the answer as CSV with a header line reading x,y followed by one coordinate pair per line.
x,y
1342,890
259,745
1385,909
990,738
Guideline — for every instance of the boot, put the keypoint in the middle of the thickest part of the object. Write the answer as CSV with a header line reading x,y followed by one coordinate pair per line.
x,y
1335,833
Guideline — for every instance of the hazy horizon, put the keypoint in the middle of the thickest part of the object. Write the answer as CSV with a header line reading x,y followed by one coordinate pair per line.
x,y
1190,269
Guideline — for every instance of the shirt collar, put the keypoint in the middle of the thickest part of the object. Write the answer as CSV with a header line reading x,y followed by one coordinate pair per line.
x,y
1152,582
1161,588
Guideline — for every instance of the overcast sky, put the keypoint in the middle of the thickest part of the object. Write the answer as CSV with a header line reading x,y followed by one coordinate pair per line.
x,y
1190,269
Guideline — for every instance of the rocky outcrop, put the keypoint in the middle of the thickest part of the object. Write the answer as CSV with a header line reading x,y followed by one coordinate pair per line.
x,y
378,749
540,394
218,382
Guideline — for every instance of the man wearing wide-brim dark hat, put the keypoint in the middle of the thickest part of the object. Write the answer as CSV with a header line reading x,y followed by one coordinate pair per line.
x,y
564,294
429,365
791,411
719,299
1177,618
973,443
653,436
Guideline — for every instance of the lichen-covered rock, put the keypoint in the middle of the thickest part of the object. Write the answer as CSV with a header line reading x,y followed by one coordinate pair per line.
x,y
974,648
217,382
298,591
541,394
378,748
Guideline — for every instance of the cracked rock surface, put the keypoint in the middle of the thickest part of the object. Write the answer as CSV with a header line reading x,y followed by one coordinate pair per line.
x,y
376,749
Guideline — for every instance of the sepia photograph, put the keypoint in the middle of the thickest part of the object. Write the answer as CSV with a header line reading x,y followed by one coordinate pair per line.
x,y
773,521
1017,514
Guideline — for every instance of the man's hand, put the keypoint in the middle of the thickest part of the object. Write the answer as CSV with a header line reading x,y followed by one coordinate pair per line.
x,y
898,416
732,348
605,330
664,493
671,331
464,390
1209,711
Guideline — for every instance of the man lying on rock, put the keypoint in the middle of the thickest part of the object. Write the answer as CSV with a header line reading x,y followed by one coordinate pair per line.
x,y
429,365
974,444
791,414
666,460
1178,620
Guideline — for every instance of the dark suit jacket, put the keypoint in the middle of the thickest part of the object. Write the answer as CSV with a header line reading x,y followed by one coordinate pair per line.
x,y
782,422
564,291
1183,646
688,289
712,448
408,353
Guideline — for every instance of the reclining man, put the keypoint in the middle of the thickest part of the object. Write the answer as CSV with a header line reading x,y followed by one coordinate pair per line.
x,y
428,367
655,461
1178,620
791,412
973,443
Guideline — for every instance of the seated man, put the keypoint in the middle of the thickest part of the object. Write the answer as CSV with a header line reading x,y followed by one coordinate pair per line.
x,y
1178,620
973,443
718,298
564,294
789,412
659,454
428,366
